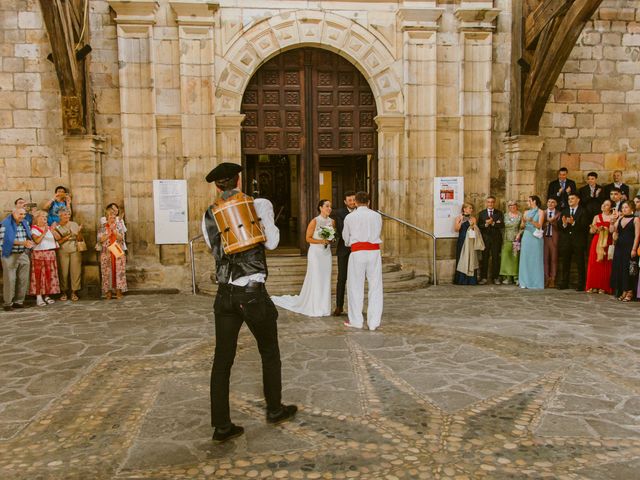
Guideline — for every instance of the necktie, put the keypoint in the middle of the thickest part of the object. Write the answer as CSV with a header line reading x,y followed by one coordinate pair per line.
x,y
490,213
592,192
549,229
572,212
562,185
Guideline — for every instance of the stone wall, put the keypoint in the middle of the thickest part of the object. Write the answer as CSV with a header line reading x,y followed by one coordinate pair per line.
x,y
32,162
592,120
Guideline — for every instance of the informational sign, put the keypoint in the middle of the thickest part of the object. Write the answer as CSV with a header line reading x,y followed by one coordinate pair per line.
x,y
170,211
448,197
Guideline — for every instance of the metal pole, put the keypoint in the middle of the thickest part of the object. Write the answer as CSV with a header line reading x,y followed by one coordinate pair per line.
x,y
435,280
193,264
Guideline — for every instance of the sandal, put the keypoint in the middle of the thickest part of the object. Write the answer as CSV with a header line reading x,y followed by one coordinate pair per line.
x,y
49,300
41,303
63,297
74,297
107,295
627,297
118,294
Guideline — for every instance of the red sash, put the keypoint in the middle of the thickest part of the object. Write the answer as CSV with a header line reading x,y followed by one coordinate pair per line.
x,y
356,247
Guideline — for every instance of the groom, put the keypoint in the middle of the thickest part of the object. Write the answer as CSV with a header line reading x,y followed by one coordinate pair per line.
x,y
361,232
342,251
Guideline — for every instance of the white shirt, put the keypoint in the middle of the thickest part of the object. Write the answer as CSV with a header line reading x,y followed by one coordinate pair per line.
x,y
48,241
264,210
362,225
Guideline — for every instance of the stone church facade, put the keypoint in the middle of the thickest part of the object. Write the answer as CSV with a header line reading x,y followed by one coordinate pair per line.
x,y
169,82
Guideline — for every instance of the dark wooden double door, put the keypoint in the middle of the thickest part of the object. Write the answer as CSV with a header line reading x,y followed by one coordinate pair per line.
x,y
309,131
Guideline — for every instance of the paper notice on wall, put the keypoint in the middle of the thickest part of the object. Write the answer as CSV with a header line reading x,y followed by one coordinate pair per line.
x,y
448,198
170,212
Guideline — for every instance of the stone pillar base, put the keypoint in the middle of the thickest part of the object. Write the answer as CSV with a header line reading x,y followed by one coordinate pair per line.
x,y
521,154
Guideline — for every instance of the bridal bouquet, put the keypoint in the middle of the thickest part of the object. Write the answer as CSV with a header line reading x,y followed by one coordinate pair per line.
x,y
327,233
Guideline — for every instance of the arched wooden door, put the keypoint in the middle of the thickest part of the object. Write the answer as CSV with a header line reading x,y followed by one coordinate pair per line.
x,y
309,132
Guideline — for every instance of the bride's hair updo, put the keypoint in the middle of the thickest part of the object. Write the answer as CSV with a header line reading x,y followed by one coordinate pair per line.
x,y
321,203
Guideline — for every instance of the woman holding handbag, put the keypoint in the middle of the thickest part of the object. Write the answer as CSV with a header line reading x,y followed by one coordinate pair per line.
x,y
113,261
624,268
69,237
531,267
599,266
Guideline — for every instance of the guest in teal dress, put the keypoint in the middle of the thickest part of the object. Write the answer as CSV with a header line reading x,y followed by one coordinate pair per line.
x,y
510,255
531,267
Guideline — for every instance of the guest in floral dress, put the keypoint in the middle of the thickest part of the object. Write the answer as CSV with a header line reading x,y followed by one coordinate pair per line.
x,y
44,267
119,221
112,267
510,255
599,267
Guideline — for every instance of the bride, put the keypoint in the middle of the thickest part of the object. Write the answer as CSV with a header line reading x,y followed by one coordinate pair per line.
x,y
315,297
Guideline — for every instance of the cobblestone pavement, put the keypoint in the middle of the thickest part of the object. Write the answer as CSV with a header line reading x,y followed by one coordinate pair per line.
x,y
460,382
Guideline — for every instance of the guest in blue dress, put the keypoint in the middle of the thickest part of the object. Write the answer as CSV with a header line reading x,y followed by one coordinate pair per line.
x,y
463,222
531,268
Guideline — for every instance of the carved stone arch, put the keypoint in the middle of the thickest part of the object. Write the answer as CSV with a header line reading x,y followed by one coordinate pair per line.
x,y
269,37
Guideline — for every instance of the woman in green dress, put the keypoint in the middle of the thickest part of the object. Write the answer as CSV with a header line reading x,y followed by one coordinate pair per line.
x,y
509,258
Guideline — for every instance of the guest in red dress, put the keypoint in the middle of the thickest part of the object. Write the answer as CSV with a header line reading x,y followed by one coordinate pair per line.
x,y
599,267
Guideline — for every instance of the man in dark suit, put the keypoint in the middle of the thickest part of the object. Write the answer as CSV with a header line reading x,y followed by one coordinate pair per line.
x,y
574,231
591,195
561,188
491,223
616,199
342,251
617,183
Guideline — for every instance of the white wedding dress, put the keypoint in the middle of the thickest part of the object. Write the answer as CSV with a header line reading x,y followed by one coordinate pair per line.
x,y
315,297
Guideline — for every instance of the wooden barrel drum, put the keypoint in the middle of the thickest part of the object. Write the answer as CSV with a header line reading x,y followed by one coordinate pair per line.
x,y
238,223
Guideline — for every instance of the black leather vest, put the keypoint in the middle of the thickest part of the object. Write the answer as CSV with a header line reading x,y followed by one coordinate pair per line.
x,y
237,265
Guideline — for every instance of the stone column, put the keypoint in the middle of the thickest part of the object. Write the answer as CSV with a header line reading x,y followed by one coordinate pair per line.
x,y
392,187
135,20
419,26
228,145
521,156
197,91
84,154
476,25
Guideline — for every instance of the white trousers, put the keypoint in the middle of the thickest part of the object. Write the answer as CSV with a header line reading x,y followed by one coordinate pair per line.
x,y
365,264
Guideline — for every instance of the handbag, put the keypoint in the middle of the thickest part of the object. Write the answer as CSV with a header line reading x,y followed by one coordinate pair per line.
x,y
538,233
81,245
115,250
633,268
610,251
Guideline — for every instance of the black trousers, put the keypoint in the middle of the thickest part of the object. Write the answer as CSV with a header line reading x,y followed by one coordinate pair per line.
x,y
234,306
568,252
492,249
343,262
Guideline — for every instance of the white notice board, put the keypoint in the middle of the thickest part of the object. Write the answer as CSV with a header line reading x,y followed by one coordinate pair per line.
x,y
448,197
170,211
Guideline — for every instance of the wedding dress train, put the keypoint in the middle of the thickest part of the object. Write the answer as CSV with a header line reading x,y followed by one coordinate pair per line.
x,y
314,299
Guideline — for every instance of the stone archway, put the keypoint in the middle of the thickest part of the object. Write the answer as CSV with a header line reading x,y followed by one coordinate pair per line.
x,y
264,39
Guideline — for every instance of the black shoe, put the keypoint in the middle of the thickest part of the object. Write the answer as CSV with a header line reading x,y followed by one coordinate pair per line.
x,y
222,435
19,305
284,413
7,308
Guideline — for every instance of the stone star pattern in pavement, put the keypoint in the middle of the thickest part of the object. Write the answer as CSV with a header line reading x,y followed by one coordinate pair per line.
x,y
439,398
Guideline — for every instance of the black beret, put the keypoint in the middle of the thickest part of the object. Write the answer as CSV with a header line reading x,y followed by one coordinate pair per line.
x,y
223,171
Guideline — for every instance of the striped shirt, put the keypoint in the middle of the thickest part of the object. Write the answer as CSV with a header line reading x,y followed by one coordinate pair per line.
x,y
21,236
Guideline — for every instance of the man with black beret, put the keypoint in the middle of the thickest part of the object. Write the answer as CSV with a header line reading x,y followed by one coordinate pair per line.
x,y
242,297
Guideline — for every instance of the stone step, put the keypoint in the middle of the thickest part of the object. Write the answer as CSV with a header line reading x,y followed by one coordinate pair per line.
x,y
416,283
